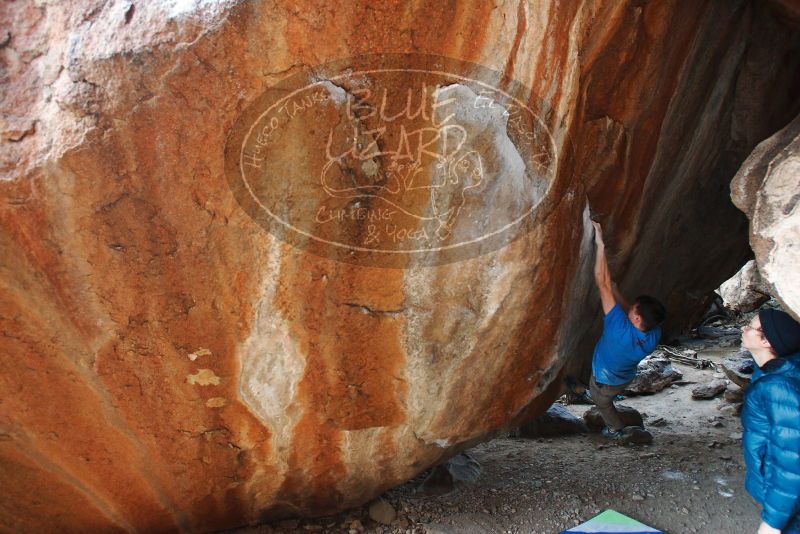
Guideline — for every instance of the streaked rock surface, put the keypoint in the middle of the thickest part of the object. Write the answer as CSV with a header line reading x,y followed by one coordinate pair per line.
x,y
167,364
767,189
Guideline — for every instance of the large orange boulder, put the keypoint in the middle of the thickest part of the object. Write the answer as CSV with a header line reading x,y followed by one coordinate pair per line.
x,y
263,259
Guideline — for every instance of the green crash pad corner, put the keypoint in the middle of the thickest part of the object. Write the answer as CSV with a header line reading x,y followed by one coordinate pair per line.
x,y
612,522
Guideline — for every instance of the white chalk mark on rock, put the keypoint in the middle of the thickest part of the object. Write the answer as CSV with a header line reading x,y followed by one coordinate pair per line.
x,y
216,402
203,377
199,352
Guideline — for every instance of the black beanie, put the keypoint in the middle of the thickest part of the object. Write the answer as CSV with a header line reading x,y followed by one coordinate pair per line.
x,y
781,330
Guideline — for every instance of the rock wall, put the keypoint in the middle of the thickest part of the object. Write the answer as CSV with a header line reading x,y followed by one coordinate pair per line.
x,y
167,364
767,189
746,291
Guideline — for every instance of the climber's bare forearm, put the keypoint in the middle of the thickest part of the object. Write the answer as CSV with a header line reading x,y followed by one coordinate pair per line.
x,y
602,276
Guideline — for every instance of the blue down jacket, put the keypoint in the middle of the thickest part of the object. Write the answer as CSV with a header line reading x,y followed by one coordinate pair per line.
x,y
771,440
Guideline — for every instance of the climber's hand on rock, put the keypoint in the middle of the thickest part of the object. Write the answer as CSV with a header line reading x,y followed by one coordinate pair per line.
x,y
598,234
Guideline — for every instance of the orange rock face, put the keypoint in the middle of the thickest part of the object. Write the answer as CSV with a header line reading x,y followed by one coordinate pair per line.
x,y
172,361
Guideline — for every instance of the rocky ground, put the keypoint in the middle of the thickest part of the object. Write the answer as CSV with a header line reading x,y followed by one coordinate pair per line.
x,y
689,480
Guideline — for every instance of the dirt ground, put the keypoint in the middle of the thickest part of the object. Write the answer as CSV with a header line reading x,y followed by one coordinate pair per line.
x,y
690,480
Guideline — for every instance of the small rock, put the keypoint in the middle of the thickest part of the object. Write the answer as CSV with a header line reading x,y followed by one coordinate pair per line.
x,y
739,368
637,497
382,512
657,422
653,374
746,290
733,394
356,525
556,421
635,435
628,415
443,479
710,390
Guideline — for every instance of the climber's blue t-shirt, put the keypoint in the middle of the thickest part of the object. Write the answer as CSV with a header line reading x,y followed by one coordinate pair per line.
x,y
620,349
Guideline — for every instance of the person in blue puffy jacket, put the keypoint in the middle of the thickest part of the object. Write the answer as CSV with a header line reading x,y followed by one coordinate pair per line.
x,y
771,420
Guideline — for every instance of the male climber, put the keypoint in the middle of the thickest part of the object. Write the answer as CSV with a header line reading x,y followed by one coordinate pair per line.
x,y
630,332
